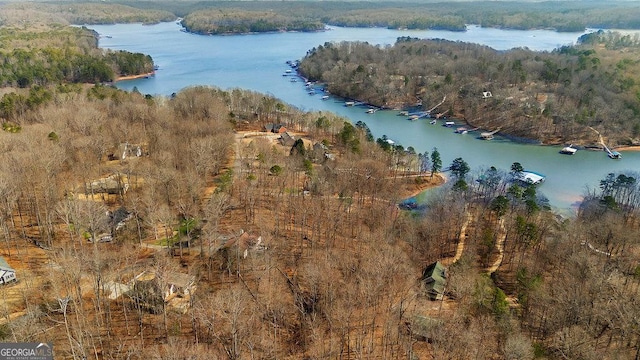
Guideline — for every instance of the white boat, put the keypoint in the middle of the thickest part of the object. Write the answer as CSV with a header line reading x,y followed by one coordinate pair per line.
x,y
349,103
371,111
462,130
449,123
568,150
433,122
294,80
325,97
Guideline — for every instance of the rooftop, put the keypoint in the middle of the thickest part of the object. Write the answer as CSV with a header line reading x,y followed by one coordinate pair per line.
x,y
531,177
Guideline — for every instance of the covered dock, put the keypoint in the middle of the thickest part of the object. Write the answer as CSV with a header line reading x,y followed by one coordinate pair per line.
x,y
531,177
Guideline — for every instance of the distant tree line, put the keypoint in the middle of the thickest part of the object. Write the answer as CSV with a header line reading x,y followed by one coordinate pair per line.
x,y
547,96
203,17
28,15
562,16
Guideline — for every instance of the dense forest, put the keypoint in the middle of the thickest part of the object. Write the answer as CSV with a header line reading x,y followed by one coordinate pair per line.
x,y
63,55
218,224
553,97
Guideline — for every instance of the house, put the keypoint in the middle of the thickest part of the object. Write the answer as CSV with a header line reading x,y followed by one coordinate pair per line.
x,y
243,244
286,139
112,184
7,273
275,128
151,289
434,278
423,328
320,152
116,220
126,150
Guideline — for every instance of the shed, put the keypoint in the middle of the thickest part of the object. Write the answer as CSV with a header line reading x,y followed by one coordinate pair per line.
x,y
434,278
7,273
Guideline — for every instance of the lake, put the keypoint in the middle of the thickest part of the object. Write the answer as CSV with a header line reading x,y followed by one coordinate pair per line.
x,y
257,62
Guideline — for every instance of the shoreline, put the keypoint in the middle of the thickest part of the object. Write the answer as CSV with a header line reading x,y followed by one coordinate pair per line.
x,y
628,148
438,180
134,77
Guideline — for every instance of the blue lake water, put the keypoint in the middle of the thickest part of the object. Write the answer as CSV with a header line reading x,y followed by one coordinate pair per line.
x,y
257,62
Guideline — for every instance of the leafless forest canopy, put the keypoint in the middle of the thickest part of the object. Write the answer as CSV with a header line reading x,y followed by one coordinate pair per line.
x,y
229,225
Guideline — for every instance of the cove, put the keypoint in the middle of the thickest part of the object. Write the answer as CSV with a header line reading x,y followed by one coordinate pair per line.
x,y
257,62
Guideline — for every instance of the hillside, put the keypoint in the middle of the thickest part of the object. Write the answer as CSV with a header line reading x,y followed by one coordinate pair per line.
x,y
220,224
264,242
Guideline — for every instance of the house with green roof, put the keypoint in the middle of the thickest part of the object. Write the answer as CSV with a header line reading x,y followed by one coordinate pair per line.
x,y
434,278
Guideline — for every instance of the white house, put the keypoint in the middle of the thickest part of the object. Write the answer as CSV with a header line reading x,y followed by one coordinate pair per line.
x,y
7,274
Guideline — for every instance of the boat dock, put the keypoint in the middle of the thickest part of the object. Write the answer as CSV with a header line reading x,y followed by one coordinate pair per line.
x,y
612,154
531,178
418,115
489,135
